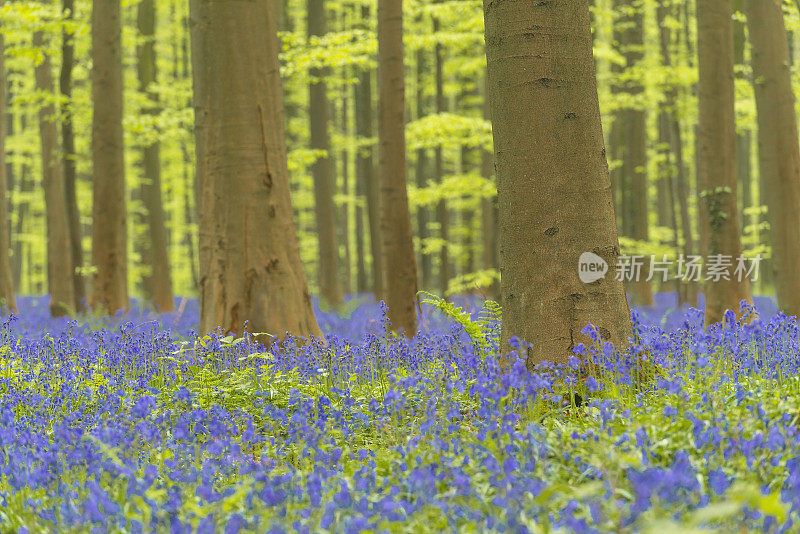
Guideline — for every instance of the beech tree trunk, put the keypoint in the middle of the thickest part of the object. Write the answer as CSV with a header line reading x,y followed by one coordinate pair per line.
x,y
7,299
553,182
687,289
717,152
635,150
250,258
319,113
489,207
109,231
743,137
778,146
442,215
68,158
365,171
421,177
159,284
59,251
398,245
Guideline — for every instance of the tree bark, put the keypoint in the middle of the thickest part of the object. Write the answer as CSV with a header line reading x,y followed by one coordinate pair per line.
x,y
159,283
778,146
68,158
59,251
743,137
717,152
250,258
688,289
365,171
321,171
109,231
7,299
635,159
421,177
398,245
442,214
553,182
489,206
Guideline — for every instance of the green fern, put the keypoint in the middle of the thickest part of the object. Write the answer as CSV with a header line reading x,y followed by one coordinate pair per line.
x,y
481,330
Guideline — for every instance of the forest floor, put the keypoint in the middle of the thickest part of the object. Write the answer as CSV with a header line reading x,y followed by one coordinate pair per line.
x,y
137,424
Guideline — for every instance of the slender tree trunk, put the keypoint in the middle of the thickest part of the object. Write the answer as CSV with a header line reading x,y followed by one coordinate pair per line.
x,y
365,179
717,152
778,146
160,283
635,161
191,188
346,233
361,264
616,135
24,186
7,299
248,244
554,188
59,252
319,112
398,245
109,234
688,289
68,158
489,205
421,176
743,137
442,214
366,172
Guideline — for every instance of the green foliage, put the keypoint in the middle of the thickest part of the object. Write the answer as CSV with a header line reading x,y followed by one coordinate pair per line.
x,y
480,330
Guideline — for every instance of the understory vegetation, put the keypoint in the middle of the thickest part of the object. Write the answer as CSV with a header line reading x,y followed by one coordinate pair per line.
x,y
137,424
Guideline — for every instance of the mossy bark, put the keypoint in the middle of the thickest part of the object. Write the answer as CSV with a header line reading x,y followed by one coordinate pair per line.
x,y
717,161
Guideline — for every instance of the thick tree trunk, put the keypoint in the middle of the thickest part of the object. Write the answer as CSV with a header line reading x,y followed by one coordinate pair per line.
x,y
159,283
68,158
554,188
109,234
59,251
400,268
778,148
319,112
442,214
717,153
249,251
7,299
365,171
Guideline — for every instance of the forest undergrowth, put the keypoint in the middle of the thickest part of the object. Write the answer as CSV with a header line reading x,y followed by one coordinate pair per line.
x,y
137,424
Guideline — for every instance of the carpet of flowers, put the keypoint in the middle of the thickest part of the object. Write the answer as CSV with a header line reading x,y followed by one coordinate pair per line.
x,y
136,424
